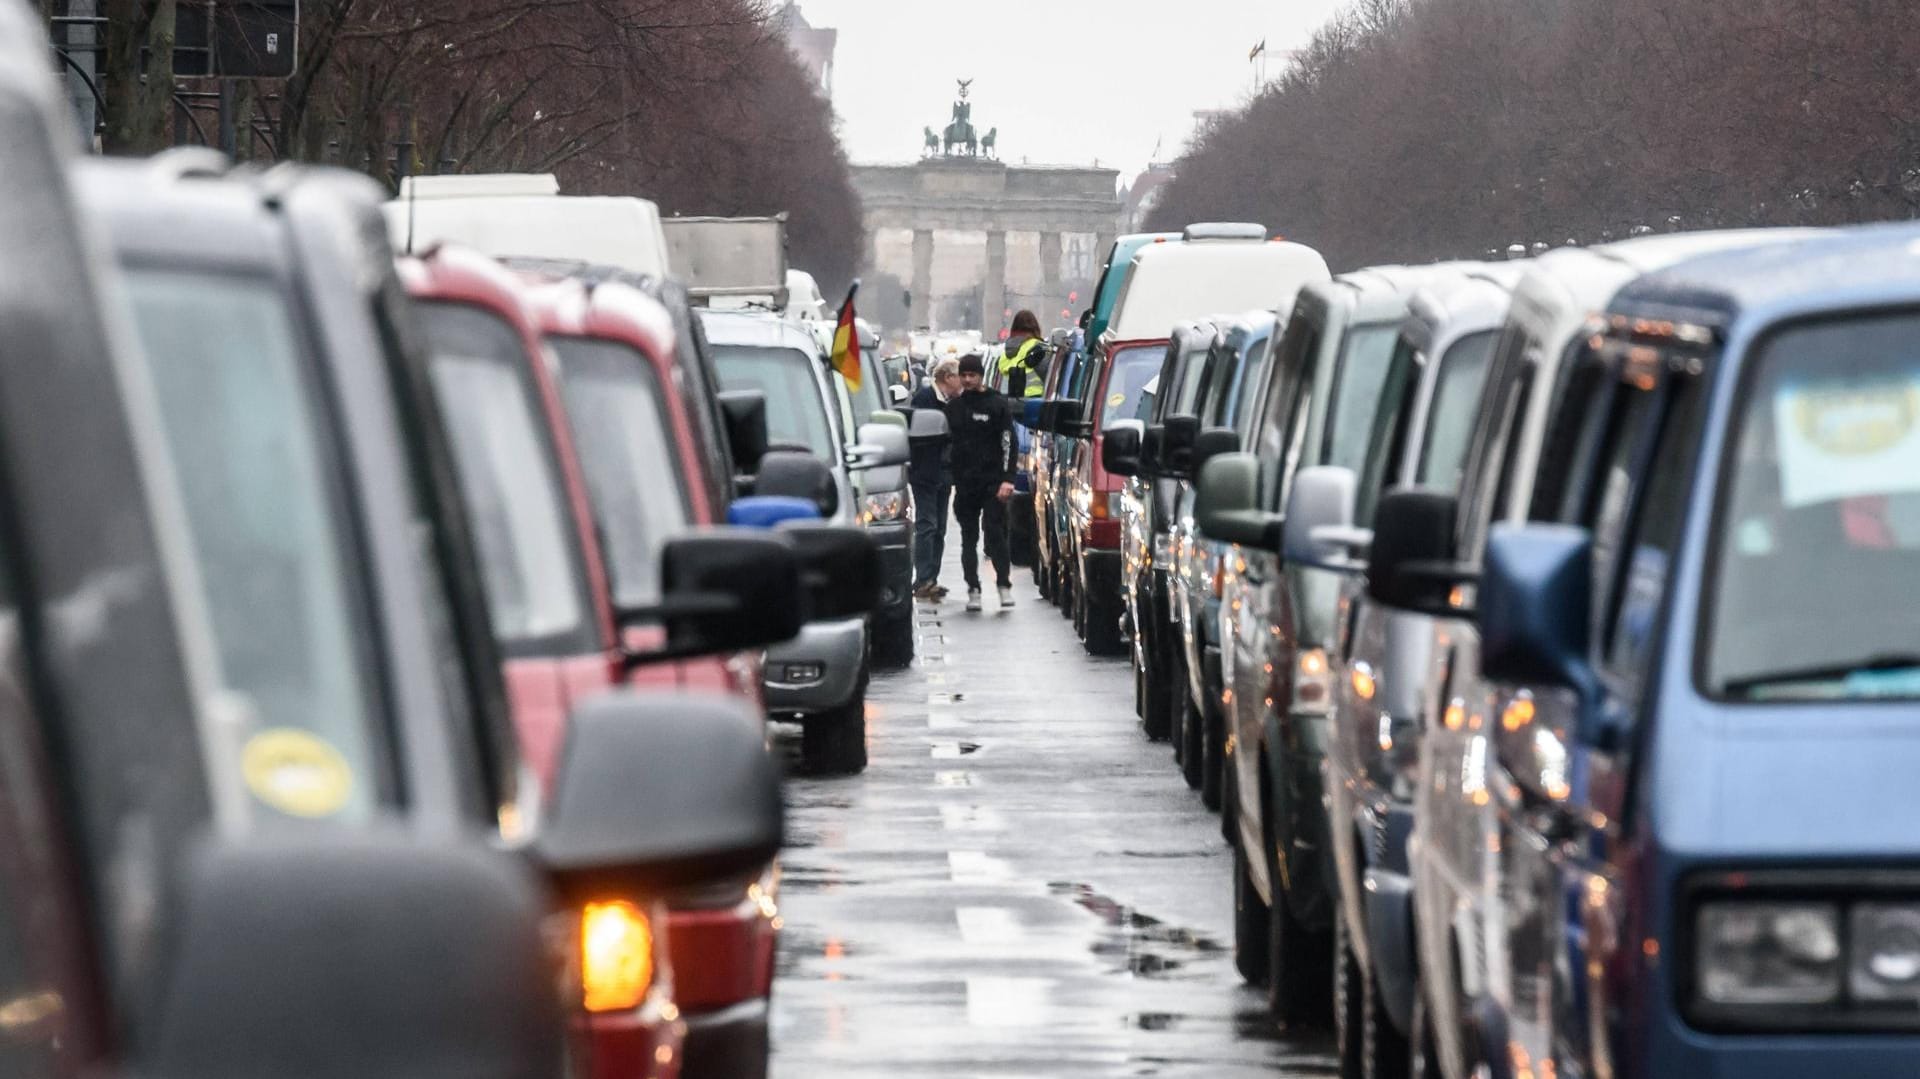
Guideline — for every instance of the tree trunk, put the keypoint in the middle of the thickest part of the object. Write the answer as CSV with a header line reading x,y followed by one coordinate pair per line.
x,y
138,89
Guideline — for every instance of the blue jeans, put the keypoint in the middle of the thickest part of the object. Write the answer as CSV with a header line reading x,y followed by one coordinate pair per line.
x,y
930,501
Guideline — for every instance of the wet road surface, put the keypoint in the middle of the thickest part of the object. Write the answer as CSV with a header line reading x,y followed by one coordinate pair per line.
x,y
1019,885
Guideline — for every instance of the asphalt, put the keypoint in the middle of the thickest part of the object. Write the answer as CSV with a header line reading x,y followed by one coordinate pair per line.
x,y
1020,884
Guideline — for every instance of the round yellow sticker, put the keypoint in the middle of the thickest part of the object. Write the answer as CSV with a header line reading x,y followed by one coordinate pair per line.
x,y
1857,423
296,773
1117,400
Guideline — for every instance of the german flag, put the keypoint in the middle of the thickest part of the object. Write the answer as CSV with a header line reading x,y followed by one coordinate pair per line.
x,y
846,342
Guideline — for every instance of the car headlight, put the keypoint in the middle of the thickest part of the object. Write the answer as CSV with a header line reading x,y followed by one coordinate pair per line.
x,y
1312,682
887,506
1885,963
1768,953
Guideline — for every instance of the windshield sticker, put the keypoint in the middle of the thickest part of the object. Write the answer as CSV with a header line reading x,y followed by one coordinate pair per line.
x,y
1845,440
296,773
1116,400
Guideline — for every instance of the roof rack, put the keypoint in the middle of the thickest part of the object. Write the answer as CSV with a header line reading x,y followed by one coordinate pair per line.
x,y
1224,230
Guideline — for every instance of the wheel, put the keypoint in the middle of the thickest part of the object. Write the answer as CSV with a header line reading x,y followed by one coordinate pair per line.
x,y
835,742
1423,1055
1100,626
1249,925
1193,736
893,642
1213,757
1079,615
1383,1048
1139,692
1157,717
1300,960
1347,1005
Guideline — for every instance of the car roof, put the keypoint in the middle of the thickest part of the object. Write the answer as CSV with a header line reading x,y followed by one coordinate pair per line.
x,y
1865,266
1176,281
1442,311
158,210
756,328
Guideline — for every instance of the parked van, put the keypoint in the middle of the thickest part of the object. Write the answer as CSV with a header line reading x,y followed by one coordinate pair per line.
x,y
514,214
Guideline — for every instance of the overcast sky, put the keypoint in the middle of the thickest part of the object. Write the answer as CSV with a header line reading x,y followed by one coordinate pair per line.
x,y
1065,81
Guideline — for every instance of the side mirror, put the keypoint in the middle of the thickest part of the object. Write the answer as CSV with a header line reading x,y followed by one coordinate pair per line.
x,y
898,395
1226,503
1120,447
657,792
1209,444
880,445
1030,412
840,571
1049,416
1318,529
926,424
767,511
1175,451
1535,602
887,417
319,955
798,474
1412,565
1067,420
745,412
722,590
1086,318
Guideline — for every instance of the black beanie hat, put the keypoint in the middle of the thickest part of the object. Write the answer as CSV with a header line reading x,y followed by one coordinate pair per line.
x,y
972,363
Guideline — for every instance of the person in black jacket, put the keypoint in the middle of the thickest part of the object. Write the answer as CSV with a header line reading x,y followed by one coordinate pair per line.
x,y
984,458
930,473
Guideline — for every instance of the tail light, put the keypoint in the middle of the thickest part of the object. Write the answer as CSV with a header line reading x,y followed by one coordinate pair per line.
x,y
616,956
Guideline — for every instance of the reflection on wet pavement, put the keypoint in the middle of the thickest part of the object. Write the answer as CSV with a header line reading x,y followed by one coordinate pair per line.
x,y
1019,885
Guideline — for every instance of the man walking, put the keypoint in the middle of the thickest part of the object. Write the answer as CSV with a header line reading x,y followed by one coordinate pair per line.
x,y
984,456
930,473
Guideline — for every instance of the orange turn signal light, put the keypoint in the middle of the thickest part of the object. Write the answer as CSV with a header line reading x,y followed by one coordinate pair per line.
x,y
616,956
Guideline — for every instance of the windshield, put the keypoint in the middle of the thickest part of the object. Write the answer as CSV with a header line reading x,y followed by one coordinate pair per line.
x,y
795,415
245,427
1358,380
871,397
508,477
1818,543
618,417
1132,369
1455,405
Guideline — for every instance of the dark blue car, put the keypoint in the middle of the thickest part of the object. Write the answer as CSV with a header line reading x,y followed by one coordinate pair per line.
x,y
1707,658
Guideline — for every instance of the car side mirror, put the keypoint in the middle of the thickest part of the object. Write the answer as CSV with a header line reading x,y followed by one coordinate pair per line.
x,y
1412,564
1120,447
926,425
1318,529
840,570
1175,452
320,954
898,395
1030,412
745,413
798,474
880,445
1535,603
1209,444
723,589
1226,503
1067,420
768,511
887,417
657,792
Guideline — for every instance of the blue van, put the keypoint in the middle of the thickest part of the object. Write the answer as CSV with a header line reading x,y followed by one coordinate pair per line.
x,y
1705,771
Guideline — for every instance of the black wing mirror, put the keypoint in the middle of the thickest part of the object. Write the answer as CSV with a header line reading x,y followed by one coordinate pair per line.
x,y
1176,445
657,792
355,953
1413,564
1068,421
1120,447
1226,503
745,412
798,474
723,589
1209,444
841,575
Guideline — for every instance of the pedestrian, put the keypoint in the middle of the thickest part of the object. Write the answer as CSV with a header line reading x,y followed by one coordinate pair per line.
x,y
930,473
1026,355
984,454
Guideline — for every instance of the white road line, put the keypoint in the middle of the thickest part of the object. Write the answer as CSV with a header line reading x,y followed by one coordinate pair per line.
x,y
989,925
954,779
977,867
1009,1002
972,819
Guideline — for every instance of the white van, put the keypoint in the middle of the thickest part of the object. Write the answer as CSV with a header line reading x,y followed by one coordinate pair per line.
x,y
524,215
1172,283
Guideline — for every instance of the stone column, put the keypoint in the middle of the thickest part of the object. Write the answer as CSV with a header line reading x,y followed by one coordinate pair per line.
x,y
1050,277
994,302
922,314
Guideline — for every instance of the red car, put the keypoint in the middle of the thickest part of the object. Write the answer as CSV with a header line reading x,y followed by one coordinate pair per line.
x,y
573,443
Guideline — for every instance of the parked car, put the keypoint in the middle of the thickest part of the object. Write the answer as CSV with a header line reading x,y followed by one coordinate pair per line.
x,y
1215,267
885,501
275,355
1458,910
820,677
508,215
1380,657
1317,410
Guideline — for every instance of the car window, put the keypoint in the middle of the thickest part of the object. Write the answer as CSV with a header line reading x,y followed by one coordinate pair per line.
x,y
1650,533
1241,381
617,413
242,419
871,397
1389,420
1193,366
1358,381
1133,368
510,482
1290,391
795,414
1817,543
1458,387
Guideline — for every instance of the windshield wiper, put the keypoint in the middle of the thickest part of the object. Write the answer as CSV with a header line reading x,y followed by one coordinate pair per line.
x,y
1826,672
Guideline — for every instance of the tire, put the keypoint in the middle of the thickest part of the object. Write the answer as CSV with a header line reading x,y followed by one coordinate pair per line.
x,y
1249,925
834,743
1383,1048
1139,692
1349,1049
1213,758
893,642
1157,717
1300,961
1423,1054
1100,626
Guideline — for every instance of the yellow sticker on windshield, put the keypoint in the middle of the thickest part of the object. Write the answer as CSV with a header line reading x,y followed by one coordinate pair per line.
x,y
1116,400
296,773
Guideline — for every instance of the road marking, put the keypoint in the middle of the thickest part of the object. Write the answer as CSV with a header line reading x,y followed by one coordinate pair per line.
x,y
989,925
953,779
1009,1002
977,867
944,721
972,819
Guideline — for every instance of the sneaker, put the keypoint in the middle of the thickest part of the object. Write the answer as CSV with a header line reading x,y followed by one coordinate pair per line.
x,y
928,591
973,599
1006,596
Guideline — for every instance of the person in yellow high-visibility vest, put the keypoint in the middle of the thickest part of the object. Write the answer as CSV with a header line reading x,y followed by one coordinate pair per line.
x,y
1026,354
